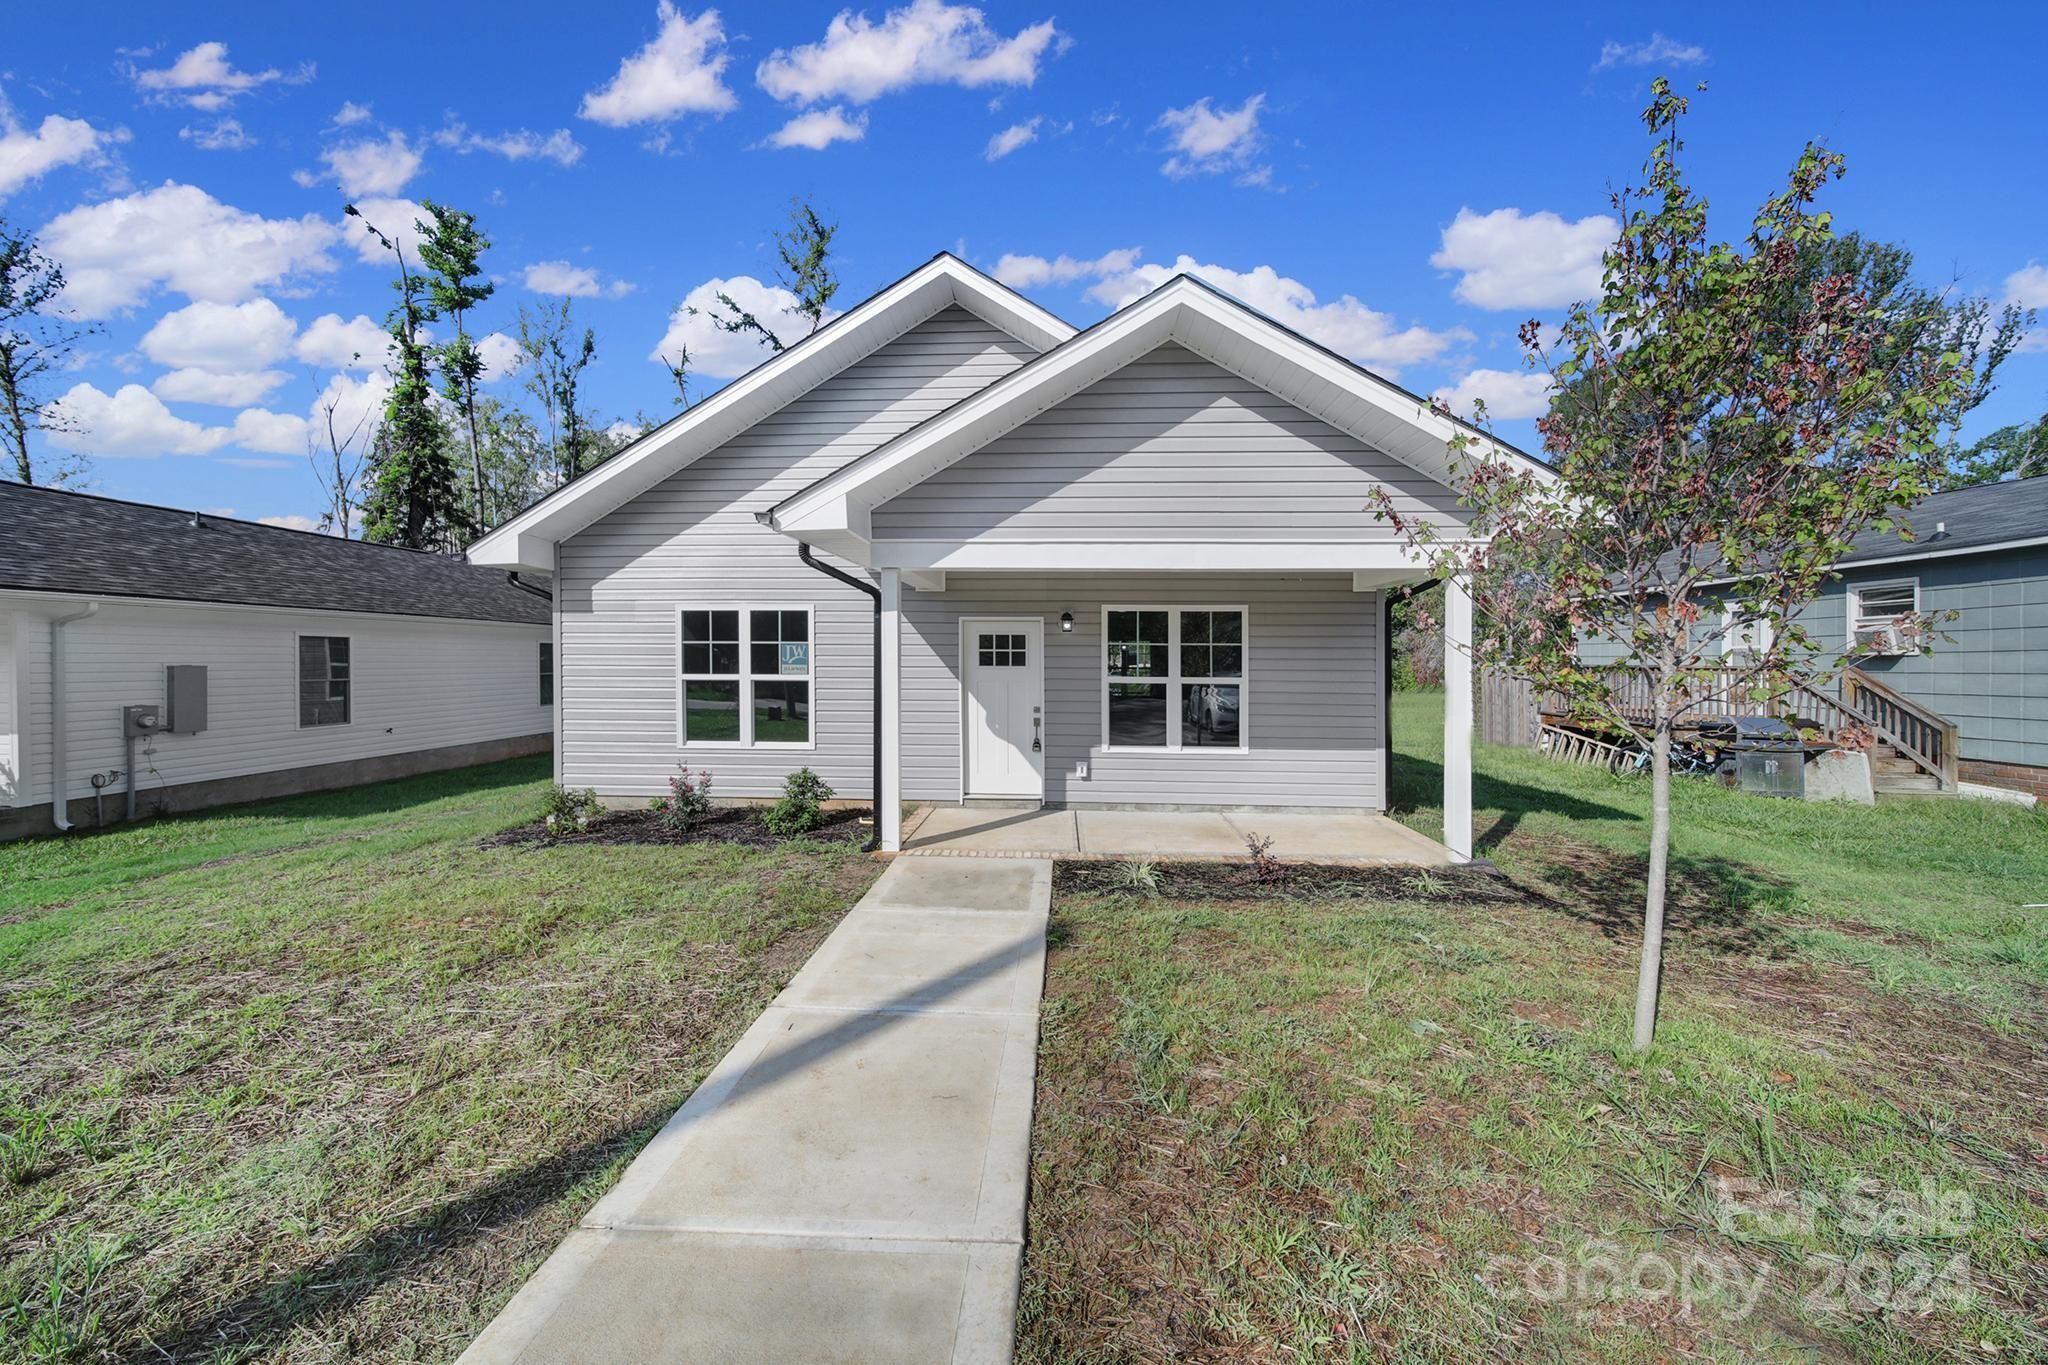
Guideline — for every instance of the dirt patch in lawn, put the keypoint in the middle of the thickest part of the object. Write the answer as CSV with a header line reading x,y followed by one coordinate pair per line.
x,y
729,825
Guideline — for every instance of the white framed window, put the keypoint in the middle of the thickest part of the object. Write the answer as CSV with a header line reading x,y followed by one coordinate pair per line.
x,y
547,673
1173,678
743,677
1884,618
326,681
1745,640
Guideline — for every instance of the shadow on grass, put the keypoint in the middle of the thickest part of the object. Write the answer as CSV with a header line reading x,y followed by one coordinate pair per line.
x,y
259,1318
1419,782
1714,904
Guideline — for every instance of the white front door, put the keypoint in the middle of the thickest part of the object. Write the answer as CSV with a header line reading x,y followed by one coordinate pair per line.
x,y
1004,703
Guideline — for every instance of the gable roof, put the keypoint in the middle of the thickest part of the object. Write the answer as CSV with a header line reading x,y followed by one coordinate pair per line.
x,y
834,511
527,540
1962,520
63,542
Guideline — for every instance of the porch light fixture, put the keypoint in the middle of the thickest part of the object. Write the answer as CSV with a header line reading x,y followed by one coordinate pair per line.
x,y
1066,623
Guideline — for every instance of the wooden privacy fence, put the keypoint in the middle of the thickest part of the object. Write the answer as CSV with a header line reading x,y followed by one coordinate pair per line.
x,y
1507,710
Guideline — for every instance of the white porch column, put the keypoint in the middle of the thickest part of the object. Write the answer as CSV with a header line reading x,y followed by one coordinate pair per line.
x,y
889,800
1458,719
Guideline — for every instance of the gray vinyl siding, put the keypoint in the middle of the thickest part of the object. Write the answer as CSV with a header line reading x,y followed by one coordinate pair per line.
x,y
693,539
1312,706
1990,677
1171,447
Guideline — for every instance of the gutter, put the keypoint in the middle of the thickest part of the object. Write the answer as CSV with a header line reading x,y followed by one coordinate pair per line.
x,y
512,577
60,802
874,594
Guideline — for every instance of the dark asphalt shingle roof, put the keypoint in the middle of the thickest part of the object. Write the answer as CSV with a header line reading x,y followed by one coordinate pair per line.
x,y
1963,518
56,541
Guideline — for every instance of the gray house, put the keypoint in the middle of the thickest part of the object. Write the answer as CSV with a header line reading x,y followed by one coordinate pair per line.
x,y
948,549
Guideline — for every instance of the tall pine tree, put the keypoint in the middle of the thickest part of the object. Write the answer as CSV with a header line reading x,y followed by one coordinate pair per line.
x,y
452,249
413,499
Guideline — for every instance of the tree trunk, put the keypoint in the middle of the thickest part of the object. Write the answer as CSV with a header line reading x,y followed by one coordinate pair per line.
x,y
476,458
17,425
1650,974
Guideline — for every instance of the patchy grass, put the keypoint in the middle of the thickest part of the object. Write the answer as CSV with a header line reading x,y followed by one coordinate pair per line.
x,y
1382,1122
324,1079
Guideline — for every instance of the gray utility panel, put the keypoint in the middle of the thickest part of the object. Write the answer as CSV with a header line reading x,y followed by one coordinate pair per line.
x,y
184,698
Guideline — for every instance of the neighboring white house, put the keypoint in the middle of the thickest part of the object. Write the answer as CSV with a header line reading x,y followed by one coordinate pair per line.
x,y
264,661
1135,565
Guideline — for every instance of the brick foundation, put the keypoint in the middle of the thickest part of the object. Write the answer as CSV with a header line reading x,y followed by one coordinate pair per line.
x,y
2024,777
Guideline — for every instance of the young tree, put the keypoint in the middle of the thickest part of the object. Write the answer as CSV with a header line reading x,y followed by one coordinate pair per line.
x,y
679,375
35,340
552,363
452,249
413,500
1725,425
578,449
803,253
2019,451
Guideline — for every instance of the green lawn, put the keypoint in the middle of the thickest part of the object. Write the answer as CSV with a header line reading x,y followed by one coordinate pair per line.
x,y
1372,1129
322,1079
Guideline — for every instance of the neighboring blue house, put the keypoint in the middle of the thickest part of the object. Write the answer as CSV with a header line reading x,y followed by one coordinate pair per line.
x,y
1981,553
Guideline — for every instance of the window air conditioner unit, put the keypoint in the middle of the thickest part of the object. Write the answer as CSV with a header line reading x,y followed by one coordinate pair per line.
x,y
1889,639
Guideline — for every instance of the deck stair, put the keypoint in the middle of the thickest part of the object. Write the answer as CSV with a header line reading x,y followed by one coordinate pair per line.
x,y
1914,748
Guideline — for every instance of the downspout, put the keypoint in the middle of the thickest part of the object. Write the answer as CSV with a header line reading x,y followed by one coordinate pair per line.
x,y
60,803
874,593
513,578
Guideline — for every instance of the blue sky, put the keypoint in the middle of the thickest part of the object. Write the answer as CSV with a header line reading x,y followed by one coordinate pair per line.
x,y
1406,184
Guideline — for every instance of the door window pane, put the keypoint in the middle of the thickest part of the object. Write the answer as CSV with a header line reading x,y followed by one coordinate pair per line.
x,y
782,712
1137,714
711,710
1208,715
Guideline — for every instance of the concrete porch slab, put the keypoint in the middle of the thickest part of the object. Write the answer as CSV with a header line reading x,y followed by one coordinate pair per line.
x,y
1159,834
1355,836
1001,829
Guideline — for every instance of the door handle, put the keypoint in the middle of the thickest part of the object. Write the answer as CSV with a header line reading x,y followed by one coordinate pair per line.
x,y
1036,747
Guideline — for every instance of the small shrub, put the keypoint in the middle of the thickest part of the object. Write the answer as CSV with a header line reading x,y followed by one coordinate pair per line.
x,y
802,807
688,799
564,811
1136,876
1265,868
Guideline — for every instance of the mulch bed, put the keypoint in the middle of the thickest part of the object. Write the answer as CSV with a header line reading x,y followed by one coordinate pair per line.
x,y
1218,881
726,825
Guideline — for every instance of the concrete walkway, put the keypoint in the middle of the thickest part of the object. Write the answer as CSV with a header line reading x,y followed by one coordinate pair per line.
x,y
1309,836
848,1183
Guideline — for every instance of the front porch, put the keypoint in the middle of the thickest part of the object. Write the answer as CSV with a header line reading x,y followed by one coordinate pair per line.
x,y
1350,837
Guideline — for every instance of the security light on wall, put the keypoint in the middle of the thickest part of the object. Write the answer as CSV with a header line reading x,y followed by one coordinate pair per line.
x,y
1066,623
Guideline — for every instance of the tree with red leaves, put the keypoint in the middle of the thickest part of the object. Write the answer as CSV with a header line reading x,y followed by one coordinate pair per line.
x,y
1723,424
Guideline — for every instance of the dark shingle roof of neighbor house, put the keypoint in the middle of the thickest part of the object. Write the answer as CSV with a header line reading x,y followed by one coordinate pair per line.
x,y
52,540
1982,515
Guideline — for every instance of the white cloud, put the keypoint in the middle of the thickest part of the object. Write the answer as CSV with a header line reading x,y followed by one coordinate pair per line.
x,y
575,281
1508,394
1507,259
677,73
27,154
291,522
221,336
500,355
1344,324
398,219
2027,287
1658,51
332,342
220,388
358,407
115,253
1208,141
719,354
1030,272
367,167
275,433
222,135
819,129
131,423
927,42
559,146
351,114
1011,138
204,78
